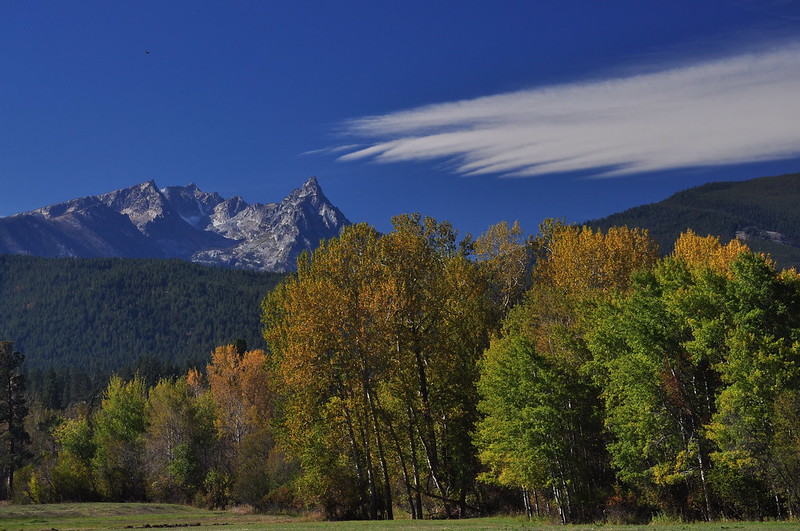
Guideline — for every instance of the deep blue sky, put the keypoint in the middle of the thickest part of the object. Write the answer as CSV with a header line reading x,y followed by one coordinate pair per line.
x,y
252,98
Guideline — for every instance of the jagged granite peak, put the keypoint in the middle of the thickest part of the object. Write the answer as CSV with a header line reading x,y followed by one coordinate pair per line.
x,y
178,222
192,204
277,234
59,209
310,196
141,203
247,223
227,209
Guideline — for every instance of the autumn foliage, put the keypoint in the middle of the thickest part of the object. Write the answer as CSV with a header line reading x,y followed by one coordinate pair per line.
x,y
574,375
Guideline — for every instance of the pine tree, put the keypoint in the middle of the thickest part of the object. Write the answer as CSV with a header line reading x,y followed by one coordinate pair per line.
x,y
13,437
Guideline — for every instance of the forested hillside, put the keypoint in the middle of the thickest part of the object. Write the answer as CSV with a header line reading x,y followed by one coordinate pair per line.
x,y
94,316
762,211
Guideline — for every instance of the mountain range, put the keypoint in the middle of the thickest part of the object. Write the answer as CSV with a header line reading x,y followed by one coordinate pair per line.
x,y
183,222
763,212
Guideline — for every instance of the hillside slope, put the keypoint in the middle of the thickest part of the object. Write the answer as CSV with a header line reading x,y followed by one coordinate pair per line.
x,y
102,314
764,212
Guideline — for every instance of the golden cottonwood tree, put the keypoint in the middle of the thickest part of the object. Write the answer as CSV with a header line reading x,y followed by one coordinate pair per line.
x,y
707,251
580,259
239,386
375,341
440,324
324,331
242,392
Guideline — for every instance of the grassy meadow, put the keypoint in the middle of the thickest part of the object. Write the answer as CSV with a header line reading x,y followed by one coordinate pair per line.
x,y
123,516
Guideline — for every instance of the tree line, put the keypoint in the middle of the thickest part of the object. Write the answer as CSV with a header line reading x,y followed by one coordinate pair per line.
x,y
574,374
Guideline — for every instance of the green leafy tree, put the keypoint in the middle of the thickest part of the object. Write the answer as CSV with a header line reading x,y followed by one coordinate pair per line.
x,y
657,348
560,441
754,421
72,474
119,427
533,435
178,441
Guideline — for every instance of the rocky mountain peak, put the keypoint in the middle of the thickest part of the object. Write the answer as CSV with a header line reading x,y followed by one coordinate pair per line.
x,y
310,191
178,222
276,234
311,186
142,203
195,206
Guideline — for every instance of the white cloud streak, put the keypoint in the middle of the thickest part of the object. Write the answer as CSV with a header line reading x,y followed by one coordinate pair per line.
x,y
738,109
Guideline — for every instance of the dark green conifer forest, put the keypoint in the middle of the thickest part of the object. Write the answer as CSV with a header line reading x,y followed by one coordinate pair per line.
x,y
78,320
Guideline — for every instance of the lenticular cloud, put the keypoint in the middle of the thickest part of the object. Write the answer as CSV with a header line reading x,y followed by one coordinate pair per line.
x,y
739,109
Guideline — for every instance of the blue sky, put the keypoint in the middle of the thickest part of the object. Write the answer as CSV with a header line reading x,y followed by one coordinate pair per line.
x,y
470,111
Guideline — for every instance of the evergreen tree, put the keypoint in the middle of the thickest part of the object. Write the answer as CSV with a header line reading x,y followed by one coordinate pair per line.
x,y
13,437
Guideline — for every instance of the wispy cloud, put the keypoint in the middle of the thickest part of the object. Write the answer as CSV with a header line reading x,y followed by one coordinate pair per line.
x,y
332,149
737,109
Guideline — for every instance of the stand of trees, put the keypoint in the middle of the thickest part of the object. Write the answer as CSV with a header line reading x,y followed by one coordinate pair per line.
x,y
198,439
413,372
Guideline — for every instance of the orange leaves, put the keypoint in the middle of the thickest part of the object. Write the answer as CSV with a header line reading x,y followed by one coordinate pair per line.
x,y
194,380
241,390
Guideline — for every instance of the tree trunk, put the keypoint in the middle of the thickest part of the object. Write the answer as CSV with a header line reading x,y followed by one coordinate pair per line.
x,y
414,462
526,500
356,459
387,486
426,430
709,514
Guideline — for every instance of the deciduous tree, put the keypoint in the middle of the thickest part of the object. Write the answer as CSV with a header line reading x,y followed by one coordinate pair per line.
x,y
119,427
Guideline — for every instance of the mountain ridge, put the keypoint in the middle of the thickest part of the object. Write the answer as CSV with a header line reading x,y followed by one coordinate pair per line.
x,y
144,221
762,212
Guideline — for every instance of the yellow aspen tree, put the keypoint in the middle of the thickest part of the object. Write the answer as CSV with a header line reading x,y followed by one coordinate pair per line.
x,y
505,256
326,343
240,389
708,251
580,259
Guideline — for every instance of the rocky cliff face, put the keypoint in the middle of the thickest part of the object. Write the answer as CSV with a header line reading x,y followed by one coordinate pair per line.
x,y
178,222
272,236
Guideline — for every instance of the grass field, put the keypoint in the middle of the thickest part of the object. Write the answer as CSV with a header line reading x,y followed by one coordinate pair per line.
x,y
126,516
